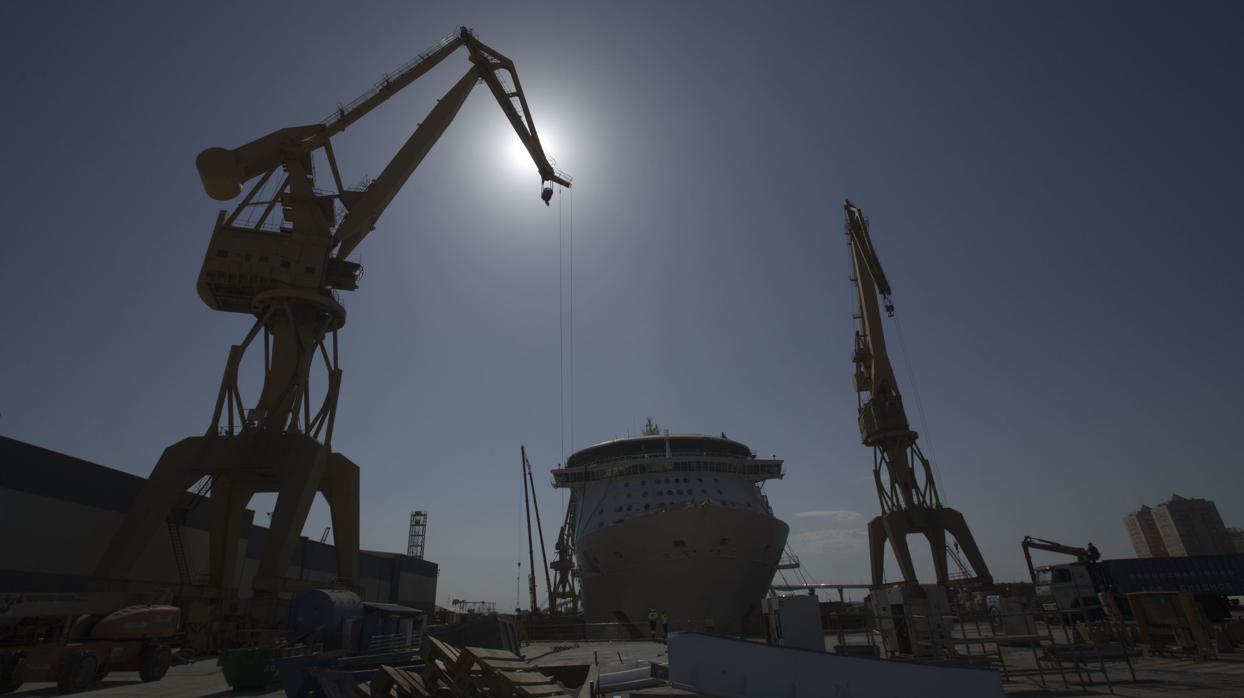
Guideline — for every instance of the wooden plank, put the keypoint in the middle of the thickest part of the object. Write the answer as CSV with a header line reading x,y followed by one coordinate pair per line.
x,y
486,653
503,665
407,684
539,691
525,677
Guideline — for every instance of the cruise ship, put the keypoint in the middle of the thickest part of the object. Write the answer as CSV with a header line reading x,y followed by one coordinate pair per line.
x,y
676,523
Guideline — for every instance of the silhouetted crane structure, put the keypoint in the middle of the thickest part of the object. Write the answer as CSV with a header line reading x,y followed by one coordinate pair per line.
x,y
286,270
909,501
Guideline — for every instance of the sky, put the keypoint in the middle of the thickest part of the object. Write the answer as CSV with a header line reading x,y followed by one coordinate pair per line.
x,y
1053,190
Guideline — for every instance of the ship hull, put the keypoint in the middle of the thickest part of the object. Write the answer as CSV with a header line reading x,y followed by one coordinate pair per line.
x,y
705,565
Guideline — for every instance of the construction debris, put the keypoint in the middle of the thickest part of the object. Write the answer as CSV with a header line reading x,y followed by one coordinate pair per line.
x,y
468,672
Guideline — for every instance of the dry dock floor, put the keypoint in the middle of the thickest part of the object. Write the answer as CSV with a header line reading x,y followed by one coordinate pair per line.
x,y
1155,676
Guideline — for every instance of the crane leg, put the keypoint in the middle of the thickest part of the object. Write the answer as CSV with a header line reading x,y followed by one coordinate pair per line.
x,y
298,479
177,469
953,522
341,491
228,501
936,536
894,527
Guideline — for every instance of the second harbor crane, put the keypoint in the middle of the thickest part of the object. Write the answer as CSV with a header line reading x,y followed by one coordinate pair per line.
x,y
905,487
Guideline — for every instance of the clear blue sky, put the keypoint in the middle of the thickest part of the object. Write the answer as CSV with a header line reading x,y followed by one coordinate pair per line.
x,y
1054,190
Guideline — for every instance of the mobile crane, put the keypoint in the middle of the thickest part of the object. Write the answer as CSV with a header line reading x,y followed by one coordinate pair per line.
x,y
1088,554
909,502
286,270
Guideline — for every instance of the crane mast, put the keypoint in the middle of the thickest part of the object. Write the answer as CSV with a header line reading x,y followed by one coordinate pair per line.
x,y
285,269
906,489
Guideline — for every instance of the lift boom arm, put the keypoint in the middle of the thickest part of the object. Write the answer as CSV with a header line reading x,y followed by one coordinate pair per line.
x,y
1030,543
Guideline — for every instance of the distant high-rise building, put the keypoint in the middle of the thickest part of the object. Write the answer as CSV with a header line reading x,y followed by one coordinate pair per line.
x,y
1191,527
1237,539
1143,530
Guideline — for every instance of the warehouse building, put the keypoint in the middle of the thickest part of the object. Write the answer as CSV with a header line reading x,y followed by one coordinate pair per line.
x,y
57,513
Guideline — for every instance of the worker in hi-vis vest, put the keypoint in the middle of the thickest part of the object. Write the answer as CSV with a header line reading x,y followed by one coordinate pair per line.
x,y
652,623
665,624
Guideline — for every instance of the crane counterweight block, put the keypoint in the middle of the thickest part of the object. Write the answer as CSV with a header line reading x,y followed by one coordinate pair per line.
x,y
224,171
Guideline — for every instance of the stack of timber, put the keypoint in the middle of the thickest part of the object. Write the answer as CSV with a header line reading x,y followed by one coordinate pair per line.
x,y
469,672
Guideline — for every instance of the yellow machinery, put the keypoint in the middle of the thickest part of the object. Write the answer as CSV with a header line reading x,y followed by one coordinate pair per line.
x,y
281,255
909,501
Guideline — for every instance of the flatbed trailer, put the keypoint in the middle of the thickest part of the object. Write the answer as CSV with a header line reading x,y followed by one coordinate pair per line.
x,y
1074,586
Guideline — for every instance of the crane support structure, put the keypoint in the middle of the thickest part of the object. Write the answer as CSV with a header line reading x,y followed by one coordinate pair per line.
x,y
281,256
909,500
564,597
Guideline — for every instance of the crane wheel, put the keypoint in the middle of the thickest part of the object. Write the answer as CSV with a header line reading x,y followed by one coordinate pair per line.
x,y
155,662
77,672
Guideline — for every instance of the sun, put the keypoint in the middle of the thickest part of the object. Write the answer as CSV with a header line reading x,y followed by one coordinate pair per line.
x,y
516,152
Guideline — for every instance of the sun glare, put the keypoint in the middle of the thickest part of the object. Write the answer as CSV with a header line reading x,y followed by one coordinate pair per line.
x,y
517,155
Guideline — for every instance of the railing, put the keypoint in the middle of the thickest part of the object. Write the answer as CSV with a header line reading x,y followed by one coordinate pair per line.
x,y
663,464
387,79
392,643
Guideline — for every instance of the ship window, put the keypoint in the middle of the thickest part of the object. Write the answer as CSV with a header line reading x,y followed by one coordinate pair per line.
x,y
643,482
285,264
309,270
680,544
724,541
263,258
699,479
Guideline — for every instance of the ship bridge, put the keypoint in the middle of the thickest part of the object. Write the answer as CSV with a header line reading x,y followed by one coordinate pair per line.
x,y
665,453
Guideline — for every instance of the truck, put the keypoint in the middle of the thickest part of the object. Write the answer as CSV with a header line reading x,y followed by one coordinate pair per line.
x,y
1083,589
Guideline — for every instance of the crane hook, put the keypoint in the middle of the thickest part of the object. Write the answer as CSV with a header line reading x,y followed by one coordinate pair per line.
x,y
546,193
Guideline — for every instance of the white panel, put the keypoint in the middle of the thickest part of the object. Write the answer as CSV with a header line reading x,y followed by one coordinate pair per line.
x,y
736,668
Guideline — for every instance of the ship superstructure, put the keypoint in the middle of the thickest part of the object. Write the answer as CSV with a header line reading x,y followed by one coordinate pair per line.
x,y
672,522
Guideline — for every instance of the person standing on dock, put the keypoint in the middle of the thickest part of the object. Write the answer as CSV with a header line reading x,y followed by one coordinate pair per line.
x,y
665,624
652,623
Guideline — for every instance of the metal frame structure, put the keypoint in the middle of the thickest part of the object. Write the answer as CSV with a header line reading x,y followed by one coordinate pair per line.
x,y
418,537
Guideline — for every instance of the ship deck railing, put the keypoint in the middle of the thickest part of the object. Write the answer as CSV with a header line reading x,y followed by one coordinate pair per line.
x,y
623,466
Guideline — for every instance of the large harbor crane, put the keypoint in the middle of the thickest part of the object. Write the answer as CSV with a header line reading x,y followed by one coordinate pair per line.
x,y
909,499
281,256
